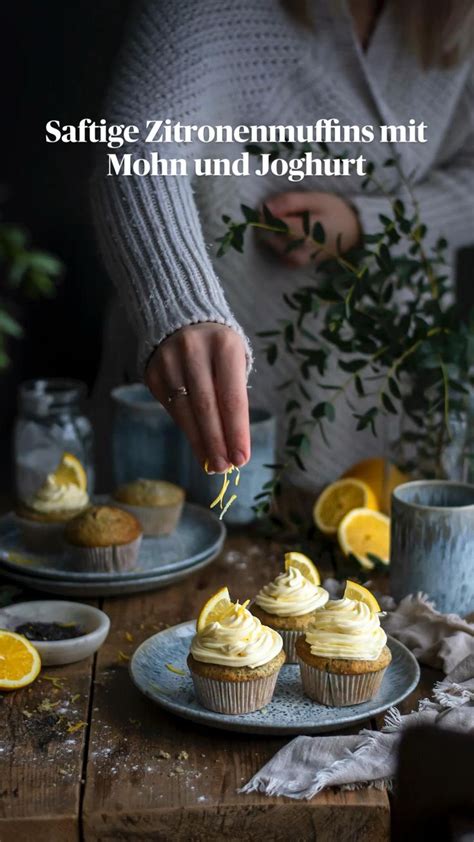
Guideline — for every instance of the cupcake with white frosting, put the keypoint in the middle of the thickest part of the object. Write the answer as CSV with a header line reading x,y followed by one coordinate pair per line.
x,y
42,517
234,660
288,603
343,654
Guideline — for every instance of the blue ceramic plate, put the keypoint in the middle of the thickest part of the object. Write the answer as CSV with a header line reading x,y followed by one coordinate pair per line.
x,y
112,587
289,712
198,536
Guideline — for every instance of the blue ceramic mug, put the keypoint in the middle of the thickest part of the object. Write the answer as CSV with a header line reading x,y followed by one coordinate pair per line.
x,y
203,489
432,543
145,440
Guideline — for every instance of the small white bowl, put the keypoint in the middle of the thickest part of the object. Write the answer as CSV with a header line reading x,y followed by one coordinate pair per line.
x,y
54,652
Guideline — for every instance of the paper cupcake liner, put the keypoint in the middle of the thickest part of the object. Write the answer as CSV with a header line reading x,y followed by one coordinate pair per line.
x,y
42,537
114,559
154,520
334,690
289,643
234,697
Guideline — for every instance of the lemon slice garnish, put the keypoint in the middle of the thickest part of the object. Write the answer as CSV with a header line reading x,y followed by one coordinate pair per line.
x,y
360,594
70,472
304,565
214,609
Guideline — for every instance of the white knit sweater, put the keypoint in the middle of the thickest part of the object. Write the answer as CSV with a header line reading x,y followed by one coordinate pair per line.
x,y
241,62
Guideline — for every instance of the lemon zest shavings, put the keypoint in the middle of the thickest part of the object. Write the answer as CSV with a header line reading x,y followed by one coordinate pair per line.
x,y
174,669
219,500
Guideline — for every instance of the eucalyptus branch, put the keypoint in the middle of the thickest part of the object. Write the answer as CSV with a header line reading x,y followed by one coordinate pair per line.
x,y
374,333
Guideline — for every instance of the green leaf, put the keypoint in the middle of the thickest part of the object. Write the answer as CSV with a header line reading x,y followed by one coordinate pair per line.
x,y
272,354
9,325
273,221
351,366
318,234
305,221
387,403
250,214
393,386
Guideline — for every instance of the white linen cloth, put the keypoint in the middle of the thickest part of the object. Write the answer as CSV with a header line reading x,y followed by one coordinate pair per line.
x,y
307,765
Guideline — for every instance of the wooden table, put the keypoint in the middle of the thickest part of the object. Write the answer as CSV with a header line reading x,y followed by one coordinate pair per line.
x,y
84,756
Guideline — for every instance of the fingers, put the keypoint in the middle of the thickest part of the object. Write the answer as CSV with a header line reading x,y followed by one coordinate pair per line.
x,y
164,374
209,360
199,374
293,202
231,388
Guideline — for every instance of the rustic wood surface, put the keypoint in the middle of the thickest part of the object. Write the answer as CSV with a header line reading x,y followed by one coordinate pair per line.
x,y
138,773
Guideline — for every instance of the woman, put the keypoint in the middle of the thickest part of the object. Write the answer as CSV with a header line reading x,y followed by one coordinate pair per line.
x,y
362,62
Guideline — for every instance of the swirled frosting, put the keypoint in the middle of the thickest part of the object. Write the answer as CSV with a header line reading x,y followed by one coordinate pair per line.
x,y
238,640
346,628
53,497
291,595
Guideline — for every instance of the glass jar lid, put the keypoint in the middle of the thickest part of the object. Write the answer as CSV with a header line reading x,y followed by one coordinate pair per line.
x,y
51,395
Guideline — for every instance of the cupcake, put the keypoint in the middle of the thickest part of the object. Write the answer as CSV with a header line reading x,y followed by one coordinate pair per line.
x,y
288,603
343,654
104,539
42,517
234,660
155,503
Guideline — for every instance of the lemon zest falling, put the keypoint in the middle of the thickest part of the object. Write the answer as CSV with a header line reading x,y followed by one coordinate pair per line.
x,y
219,500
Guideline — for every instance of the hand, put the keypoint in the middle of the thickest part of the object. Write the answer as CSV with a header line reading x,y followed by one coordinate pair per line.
x,y
209,360
335,215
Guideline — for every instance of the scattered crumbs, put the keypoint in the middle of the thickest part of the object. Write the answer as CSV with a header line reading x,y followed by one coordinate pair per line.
x,y
174,669
122,656
164,755
202,798
71,729
264,711
58,683
129,636
172,774
27,713
183,755
47,705
135,722
203,755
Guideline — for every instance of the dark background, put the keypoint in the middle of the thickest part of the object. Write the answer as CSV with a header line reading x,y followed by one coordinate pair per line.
x,y
56,59
55,62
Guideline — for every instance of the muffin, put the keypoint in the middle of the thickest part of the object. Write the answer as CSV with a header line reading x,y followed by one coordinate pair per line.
x,y
234,661
288,604
155,503
42,518
343,654
104,539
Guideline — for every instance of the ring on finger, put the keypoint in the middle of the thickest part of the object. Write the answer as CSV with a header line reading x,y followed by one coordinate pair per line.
x,y
180,392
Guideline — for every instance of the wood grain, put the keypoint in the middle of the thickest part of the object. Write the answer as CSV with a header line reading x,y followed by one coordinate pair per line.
x,y
152,776
41,755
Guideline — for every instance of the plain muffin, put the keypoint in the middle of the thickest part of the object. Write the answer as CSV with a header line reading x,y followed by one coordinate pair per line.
x,y
104,539
155,503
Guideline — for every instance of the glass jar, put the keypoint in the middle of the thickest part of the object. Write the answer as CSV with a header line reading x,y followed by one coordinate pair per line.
x,y
50,422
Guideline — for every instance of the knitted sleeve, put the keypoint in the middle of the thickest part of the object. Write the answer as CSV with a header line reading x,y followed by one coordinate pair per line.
x,y
148,226
445,198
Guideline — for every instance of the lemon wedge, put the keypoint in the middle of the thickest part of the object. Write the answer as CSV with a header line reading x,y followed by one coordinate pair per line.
x,y
20,662
363,532
360,594
304,565
214,609
338,499
70,472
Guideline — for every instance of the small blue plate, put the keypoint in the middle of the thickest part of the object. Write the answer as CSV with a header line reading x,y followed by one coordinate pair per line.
x,y
198,536
289,712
